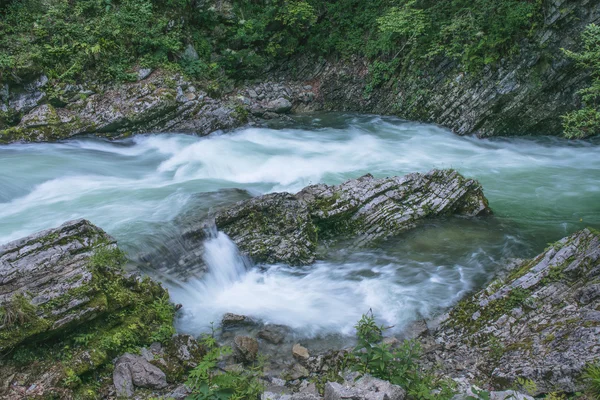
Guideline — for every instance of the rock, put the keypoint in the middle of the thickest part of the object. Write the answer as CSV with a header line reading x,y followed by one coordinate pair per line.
x,y
509,395
307,387
299,352
279,106
281,227
63,282
143,73
297,371
230,320
150,104
382,389
531,324
275,396
179,393
52,266
274,334
30,96
131,370
190,53
246,348
366,388
305,396
186,349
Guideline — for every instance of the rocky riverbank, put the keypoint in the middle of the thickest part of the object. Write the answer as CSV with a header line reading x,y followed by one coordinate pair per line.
x,y
525,93
76,324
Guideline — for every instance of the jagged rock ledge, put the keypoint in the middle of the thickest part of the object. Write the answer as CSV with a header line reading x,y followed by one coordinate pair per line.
x,y
67,308
281,227
541,322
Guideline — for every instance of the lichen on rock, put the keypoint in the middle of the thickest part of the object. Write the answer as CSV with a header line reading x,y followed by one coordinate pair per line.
x,y
541,323
282,227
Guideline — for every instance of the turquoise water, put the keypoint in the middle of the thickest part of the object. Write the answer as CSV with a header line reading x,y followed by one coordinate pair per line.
x,y
540,190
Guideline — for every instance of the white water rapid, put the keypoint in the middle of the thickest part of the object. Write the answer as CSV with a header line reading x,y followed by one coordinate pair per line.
x,y
142,189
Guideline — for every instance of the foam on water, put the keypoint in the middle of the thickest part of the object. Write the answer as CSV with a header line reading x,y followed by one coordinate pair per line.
x,y
540,189
322,298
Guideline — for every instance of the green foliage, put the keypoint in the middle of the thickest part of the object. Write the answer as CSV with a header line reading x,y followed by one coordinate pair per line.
x,y
17,311
206,383
586,121
480,394
399,366
106,40
526,385
591,375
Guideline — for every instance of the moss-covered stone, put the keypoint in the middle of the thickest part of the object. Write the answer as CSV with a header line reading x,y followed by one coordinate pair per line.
x,y
67,302
543,316
281,227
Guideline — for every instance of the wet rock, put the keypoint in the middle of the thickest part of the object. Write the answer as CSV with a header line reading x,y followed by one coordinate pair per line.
x,y
300,352
274,334
246,349
531,324
231,320
281,227
131,370
279,106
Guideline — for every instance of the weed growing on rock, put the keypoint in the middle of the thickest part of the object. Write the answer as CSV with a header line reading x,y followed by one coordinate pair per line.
x,y
208,383
399,366
592,376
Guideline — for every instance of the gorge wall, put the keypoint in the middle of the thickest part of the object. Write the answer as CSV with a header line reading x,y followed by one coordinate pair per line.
x,y
525,93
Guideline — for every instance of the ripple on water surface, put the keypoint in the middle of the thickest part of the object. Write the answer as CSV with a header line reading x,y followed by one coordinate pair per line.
x,y
540,189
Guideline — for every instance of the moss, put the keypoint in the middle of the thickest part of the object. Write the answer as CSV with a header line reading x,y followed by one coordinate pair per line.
x,y
132,313
462,314
42,133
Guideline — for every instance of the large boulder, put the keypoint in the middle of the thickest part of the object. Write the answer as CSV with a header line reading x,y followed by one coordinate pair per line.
x,y
131,370
66,288
47,283
540,323
282,227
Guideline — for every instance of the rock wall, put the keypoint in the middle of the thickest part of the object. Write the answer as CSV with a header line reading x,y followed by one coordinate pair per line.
x,y
541,322
524,94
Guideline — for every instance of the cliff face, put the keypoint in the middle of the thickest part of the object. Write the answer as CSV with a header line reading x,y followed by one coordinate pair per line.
x,y
525,94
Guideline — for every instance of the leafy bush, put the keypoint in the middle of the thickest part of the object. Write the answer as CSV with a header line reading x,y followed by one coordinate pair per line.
x,y
207,383
586,121
71,40
399,366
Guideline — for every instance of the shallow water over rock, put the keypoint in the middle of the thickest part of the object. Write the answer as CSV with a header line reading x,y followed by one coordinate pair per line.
x,y
144,190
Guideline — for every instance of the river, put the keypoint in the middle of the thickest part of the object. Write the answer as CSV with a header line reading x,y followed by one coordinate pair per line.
x,y
139,189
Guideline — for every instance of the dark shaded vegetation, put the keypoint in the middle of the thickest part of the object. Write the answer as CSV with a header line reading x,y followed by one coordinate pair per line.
x,y
106,40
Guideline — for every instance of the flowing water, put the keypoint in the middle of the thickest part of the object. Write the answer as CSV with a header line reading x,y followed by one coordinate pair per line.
x,y
142,189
